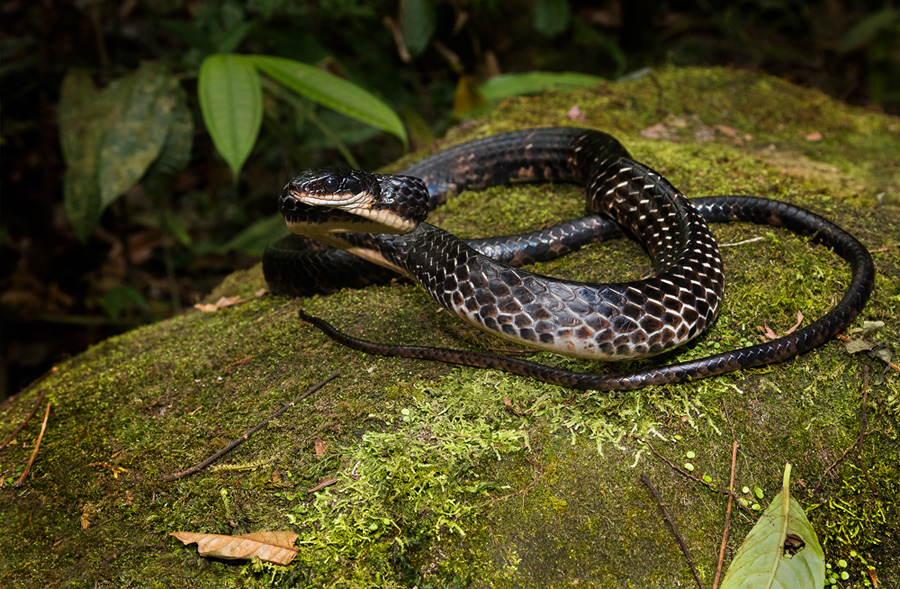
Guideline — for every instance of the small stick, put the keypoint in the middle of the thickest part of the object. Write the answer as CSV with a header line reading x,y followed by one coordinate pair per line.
x,y
734,446
683,472
37,446
684,548
862,433
24,421
246,436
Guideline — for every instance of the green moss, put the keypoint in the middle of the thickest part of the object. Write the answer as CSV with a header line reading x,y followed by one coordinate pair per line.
x,y
461,477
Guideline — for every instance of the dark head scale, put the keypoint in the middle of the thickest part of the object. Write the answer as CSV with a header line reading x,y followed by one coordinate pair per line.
x,y
321,182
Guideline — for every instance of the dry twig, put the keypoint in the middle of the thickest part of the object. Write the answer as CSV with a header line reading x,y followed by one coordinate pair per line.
x,y
684,472
24,421
246,436
734,446
862,433
37,446
684,548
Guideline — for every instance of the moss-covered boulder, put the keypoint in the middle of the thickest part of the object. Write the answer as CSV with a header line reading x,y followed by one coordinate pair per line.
x,y
404,473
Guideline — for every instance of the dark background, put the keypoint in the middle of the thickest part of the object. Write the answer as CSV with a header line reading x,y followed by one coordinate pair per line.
x,y
59,295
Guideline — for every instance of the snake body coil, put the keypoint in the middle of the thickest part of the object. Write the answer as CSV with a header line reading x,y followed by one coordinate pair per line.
x,y
377,218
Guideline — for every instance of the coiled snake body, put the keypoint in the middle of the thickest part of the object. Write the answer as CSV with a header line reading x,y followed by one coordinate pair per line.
x,y
378,219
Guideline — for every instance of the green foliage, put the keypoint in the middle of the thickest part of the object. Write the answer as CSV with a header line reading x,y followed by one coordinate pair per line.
x,y
417,20
141,124
781,551
111,137
331,91
551,17
506,85
885,21
232,106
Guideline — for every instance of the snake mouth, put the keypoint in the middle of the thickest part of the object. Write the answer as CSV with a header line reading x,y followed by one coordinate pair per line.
x,y
333,200
304,218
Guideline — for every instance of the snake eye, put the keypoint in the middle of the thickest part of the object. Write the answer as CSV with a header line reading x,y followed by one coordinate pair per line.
x,y
332,183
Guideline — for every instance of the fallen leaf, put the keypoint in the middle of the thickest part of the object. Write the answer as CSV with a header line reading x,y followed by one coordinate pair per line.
x,y
657,131
856,346
767,331
725,129
796,325
576,114
222,302
781,550
322,485
274,547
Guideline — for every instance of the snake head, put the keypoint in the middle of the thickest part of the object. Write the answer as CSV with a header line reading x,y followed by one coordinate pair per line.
x,y
338,200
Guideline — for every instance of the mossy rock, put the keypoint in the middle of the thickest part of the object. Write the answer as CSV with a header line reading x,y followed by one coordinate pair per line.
x,y
449,477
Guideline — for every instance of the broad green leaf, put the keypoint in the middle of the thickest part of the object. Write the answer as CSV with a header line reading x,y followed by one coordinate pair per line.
x,y
136,128
254,239
551,17
506,85
865,30
331,91
110,138
231,102
176,151
78,97
417,21
81,138
781,551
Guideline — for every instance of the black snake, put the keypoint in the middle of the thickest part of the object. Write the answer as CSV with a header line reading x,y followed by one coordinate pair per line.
x,y
353,210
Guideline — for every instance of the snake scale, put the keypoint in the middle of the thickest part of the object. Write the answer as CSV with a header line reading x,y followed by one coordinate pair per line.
x,y
377,220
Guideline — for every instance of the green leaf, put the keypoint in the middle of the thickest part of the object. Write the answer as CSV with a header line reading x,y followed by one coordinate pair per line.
x,y
228,40
417,20
176,228
119,298
110,138
868,28
254,239
78,95
506,85
331,91
551,17
175,154
231,102
136,128
81,139
781,551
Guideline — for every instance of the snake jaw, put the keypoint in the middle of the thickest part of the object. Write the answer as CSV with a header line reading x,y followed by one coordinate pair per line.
x,y
326,201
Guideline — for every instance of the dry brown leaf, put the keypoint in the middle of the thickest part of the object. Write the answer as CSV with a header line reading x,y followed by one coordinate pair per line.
x,y
222,302
576,114
726,130
274,547
767,331
322,484
796,325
